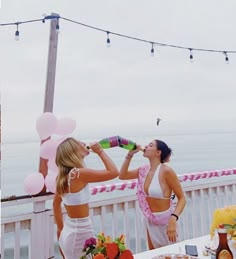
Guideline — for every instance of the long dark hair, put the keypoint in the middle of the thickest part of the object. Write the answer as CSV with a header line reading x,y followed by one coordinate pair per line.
x,y
165,150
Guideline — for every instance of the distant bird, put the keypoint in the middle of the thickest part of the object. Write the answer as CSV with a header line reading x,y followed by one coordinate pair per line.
x,y
158,121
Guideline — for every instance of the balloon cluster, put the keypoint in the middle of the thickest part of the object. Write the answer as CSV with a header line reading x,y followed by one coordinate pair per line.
x,y
47,125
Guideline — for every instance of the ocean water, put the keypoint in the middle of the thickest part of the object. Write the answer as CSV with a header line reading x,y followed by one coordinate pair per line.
x,y
197,146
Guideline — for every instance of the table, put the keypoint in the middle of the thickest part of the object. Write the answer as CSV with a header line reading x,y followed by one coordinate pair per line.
x,y
178,248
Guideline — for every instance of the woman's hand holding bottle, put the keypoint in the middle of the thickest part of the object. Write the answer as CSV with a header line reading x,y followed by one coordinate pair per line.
x,y
108,162
96,148
132,152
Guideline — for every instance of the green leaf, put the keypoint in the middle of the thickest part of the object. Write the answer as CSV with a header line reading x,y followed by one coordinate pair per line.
x,y
102,238
227,226
122,247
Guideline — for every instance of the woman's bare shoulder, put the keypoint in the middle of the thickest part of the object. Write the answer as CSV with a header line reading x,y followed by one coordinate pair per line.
x,y
168,170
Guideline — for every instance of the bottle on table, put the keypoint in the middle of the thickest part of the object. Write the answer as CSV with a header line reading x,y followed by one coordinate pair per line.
x,y
126,143
223,251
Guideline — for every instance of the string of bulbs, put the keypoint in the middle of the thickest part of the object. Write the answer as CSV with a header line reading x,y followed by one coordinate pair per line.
x,y
108,33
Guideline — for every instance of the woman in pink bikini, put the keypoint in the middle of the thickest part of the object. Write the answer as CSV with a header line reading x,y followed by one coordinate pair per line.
x,y
72,189
156,184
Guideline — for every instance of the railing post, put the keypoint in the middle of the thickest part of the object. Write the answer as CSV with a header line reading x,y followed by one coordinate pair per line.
x,y
38,231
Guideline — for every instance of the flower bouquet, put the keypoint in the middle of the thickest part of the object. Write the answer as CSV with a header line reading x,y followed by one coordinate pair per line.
x,y
224,216
105,248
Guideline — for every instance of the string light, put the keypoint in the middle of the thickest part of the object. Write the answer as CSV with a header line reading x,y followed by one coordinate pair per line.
x,y
152,49
43,20
191,55
53,16
226,57
57,26
17,33
108,40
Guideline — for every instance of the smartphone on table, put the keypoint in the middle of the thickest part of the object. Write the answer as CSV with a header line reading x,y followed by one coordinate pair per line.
x,y
191,250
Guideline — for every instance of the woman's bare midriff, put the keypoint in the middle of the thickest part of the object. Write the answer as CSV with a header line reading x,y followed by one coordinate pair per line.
x,y
78,211
158,205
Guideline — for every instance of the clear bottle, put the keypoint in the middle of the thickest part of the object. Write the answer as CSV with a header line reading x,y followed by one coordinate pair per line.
x,y
223,251
109,142
126,143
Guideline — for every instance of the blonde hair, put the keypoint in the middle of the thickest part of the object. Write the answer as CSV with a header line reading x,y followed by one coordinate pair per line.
x,y
67,157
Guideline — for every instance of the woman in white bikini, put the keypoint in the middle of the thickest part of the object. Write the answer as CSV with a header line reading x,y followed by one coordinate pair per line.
x,y
72,189
156,184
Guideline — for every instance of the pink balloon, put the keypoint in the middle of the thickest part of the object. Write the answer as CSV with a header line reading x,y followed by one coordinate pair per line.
x,y
65,126
46,125
34,183
50,182
61,139
50,171
48,149
52,166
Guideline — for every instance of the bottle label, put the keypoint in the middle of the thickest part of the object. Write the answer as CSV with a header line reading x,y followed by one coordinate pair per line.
x,y
127,144
114,141
224,254
124,141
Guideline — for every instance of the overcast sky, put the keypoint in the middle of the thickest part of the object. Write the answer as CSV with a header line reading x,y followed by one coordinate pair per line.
x,y
109,87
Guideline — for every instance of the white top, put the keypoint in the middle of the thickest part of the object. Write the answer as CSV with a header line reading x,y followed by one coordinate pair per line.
x,y
76,198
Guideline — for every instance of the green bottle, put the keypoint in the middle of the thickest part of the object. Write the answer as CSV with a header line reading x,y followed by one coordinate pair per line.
x,y
109,142
126,143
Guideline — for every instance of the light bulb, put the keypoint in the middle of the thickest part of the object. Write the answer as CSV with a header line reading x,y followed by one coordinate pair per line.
x,y
57,28
191,56
226,57
17,35
108,40
152,50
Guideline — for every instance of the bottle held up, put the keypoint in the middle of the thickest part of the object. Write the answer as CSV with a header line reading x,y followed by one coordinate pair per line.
x,y
117,141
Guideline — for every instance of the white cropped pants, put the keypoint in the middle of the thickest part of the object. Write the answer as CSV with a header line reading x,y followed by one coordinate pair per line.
x,y
73,236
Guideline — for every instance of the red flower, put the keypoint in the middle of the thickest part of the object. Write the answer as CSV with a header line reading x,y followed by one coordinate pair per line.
x,y
126,255
112,250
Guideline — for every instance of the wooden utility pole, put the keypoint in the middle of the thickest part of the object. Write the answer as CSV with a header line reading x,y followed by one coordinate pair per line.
x,y
50,80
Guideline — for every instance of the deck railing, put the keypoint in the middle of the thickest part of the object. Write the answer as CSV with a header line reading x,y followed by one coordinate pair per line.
x,y
33,235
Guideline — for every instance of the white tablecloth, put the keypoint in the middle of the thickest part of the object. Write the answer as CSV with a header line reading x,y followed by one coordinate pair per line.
x,y
178,248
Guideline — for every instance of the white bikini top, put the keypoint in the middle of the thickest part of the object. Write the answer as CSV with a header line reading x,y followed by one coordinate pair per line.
x,y
154,189
76,198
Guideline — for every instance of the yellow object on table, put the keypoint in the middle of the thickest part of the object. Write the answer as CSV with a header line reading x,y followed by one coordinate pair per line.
x,y
226,215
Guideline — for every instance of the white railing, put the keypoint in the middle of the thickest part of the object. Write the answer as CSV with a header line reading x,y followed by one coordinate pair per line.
x,y
33,235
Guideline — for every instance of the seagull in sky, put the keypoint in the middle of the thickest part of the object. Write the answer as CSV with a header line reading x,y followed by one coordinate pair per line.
x,y
158,121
